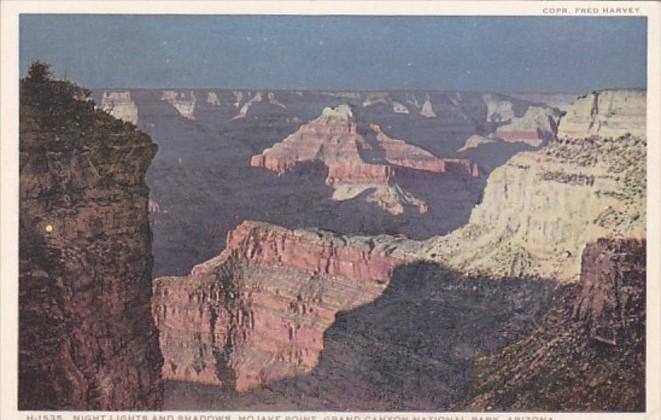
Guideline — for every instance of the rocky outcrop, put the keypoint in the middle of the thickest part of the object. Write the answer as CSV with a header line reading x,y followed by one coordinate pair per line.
x,y
588,354
537,125
427,109
213,99
498,110
257,313
86,340
611,295
120,105
183,102
606,114
355,154
474,141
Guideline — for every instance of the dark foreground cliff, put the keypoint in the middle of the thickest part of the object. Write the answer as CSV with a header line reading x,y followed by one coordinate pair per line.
x,y
589,352
86,337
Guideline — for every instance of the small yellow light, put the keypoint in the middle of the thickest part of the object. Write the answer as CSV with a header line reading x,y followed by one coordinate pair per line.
x,y
49,228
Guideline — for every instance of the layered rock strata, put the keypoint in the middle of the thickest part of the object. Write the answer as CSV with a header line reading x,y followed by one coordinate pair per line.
x,y
541,208
257,313
607,114
86,338
537,125
588,354
358,156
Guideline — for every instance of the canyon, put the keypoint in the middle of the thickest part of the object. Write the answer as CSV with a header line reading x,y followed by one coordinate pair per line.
x,y
286,317
395,250
86,337
208,176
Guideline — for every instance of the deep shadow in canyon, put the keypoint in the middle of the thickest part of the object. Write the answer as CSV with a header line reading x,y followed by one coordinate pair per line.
x,y
411,349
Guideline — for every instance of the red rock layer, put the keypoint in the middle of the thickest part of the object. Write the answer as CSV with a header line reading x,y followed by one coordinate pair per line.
x,y
257,313
86,338
341,144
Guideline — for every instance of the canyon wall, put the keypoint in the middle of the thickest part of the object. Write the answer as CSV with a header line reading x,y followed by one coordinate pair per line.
x,y
608,113
540,209
86,338
588,354
257,313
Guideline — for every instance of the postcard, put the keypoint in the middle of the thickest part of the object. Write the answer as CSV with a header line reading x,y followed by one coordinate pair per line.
x,y
315,210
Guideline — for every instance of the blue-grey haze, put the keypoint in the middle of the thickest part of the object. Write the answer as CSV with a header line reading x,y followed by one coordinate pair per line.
x,y
508,54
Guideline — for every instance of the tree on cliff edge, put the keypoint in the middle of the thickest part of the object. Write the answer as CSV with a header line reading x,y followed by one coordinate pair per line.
x,y
39,72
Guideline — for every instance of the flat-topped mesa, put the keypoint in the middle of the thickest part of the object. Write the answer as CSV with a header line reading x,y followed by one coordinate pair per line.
x,y
258,312
354,152
608,113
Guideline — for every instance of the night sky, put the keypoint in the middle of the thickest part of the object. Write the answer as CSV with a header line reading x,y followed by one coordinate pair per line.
x,y
507,54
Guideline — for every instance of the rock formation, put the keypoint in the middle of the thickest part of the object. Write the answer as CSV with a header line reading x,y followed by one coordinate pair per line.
x,y
537,125
257,313
427,109
541,208
608,113
474,141
120,105
560,101
213,99
588,354
498,110
86,340
182,102
358,156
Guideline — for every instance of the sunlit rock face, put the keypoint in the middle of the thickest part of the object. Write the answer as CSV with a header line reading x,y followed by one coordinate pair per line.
x,y
183,102
606,114
359,156
119,105
86,338
542,207
257,313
